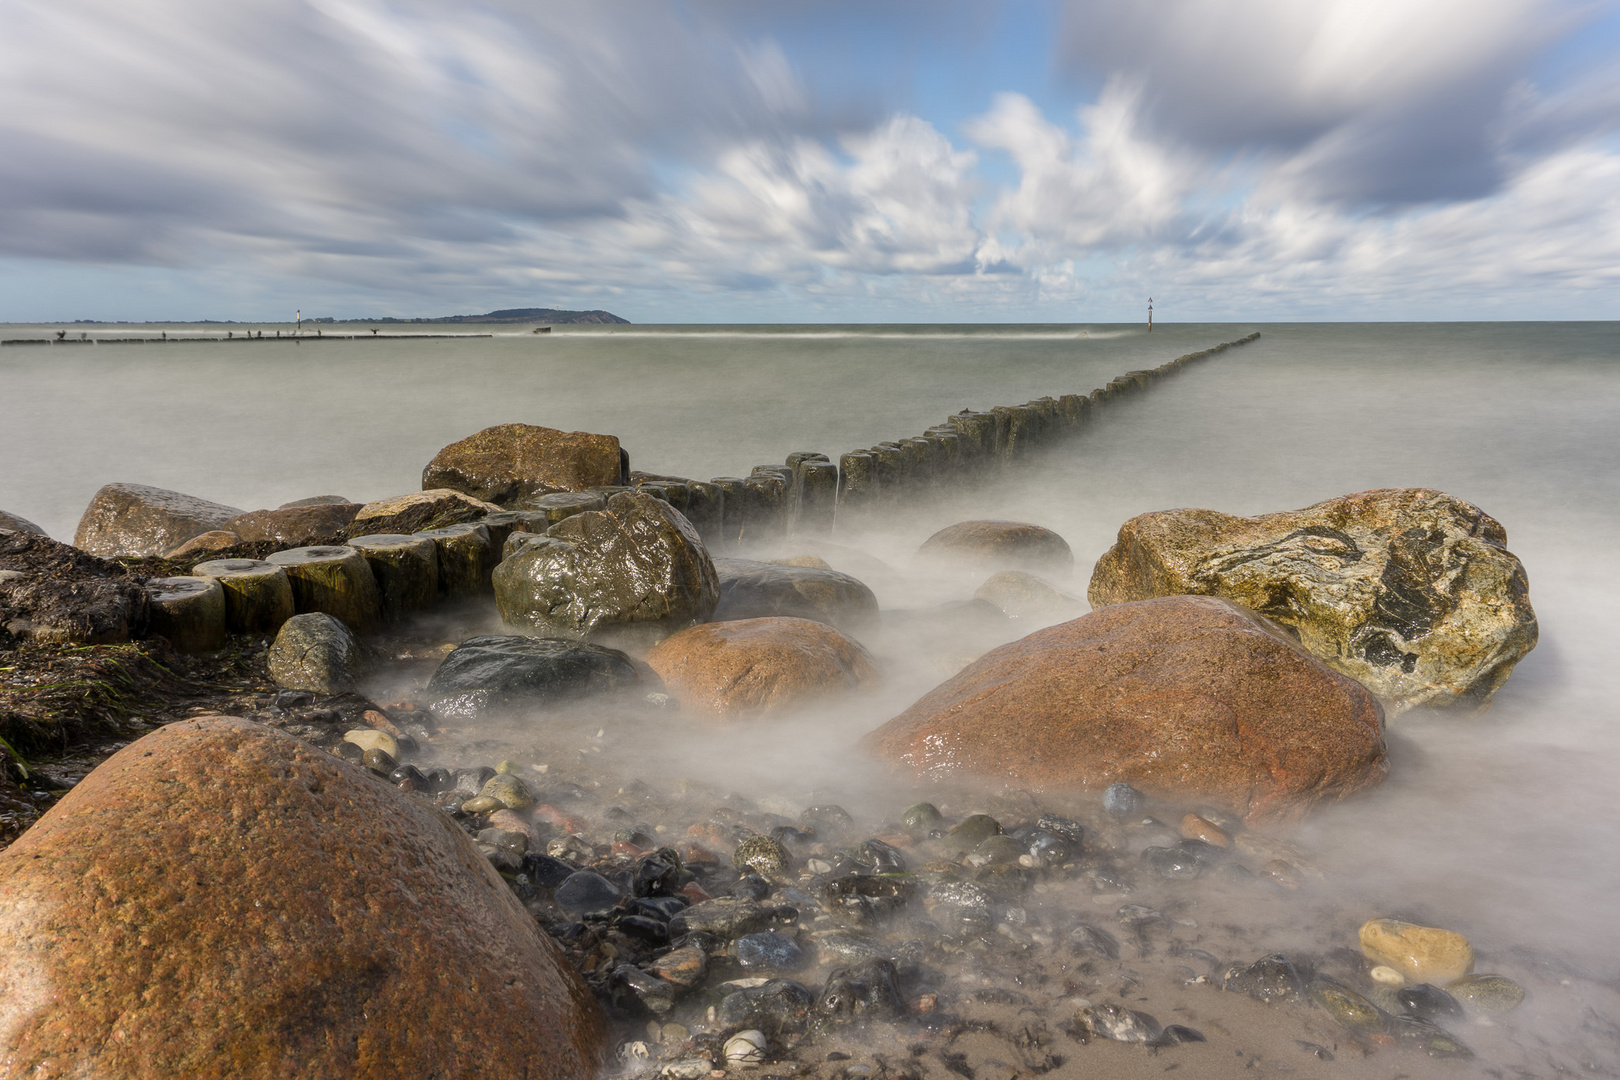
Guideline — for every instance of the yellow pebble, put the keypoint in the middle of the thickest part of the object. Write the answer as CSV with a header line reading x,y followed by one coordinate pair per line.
x,y
1194,827
1419,953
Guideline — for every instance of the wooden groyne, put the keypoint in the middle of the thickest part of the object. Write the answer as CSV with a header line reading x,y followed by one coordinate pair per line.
x,y
810,492
245,336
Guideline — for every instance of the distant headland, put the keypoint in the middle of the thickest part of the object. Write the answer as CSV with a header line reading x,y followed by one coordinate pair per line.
x,y
511,315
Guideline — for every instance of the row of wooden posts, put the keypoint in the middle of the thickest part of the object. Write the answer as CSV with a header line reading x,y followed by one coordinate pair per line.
x,y
810,493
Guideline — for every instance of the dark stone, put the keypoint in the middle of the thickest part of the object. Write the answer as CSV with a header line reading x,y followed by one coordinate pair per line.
x,y
768,952
547,872
636,571
1270,979
778,1007
725,917
1428,1002
485,674
1122,801
865,991
587,893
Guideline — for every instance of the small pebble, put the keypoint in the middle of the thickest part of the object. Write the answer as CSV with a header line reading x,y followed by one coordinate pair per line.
x,y
1194,827
509,790
482,804
370,739
1122,801
746,1048
1421,953
1387,975
1487,995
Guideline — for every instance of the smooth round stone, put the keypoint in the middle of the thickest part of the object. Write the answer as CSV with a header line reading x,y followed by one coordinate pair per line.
x,y
371,739
1195,827
745,1048
1421,953
1383,973
769,952
1487,995
975,829
586,893
921,817
512,793
1347,1007
1001,850
482,804
1429,1002
1122,801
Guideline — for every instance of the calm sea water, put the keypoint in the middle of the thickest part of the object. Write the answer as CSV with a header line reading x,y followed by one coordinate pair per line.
x,y
1501,825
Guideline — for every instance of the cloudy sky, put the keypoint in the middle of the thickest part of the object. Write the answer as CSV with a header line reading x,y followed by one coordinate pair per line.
x,y
765,161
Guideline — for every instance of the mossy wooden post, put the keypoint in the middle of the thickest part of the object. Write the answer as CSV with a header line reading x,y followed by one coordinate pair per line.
x,y
766,495
891,469
818,498
466,560
733,507
918,456
406,569
706,505
258,594
189,611
858,482
671,491
336,580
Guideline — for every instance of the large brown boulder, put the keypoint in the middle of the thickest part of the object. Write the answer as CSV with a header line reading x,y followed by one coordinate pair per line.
x,y
219,899
753,590
419,510
999,543
294,525
1189,698
512,463
759,666
1408,591
631,574
141,521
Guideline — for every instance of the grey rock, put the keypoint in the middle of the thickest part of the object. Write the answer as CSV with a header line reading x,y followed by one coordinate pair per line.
x,y
586,893
752,590
496,673
138,520
633,573
18,524
778,1006
318,653
768,952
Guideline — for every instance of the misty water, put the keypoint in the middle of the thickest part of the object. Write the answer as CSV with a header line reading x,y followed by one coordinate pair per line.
x,y
1500,826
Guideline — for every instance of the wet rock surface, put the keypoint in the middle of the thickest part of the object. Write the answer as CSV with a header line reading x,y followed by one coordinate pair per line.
x,y
753,590
503,673
250,924
293,525
316,652
140,520
15,523
635,572
1012,544
1184,696
1409,591
55,593
511,464
419,510
759,666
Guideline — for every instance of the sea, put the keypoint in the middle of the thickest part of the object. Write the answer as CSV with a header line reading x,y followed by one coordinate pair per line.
x,y
1502,825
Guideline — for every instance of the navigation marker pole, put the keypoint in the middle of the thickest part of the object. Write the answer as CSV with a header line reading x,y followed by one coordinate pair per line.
x,y
1150,314
298,320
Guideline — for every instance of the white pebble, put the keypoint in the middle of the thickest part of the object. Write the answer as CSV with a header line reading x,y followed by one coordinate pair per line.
x,y
745,1048
370,739
1387,975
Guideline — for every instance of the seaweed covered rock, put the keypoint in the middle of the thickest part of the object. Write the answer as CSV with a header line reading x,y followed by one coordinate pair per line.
x,y
1190,698
635,572
510,464
141,521
759,666
753,590
503,673
1410,592
52,592
276,913
294,525
419,510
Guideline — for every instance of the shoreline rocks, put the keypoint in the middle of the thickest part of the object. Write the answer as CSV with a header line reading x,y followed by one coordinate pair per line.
x,y
494,673
633,573
1189,698
753,590
759,667
512,464
1409,591
1008,544
138,520
276,912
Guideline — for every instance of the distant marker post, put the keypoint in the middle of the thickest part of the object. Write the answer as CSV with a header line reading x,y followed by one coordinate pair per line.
x,y
1150,314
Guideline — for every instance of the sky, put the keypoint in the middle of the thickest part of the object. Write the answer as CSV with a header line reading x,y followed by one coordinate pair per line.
x,y
766,161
